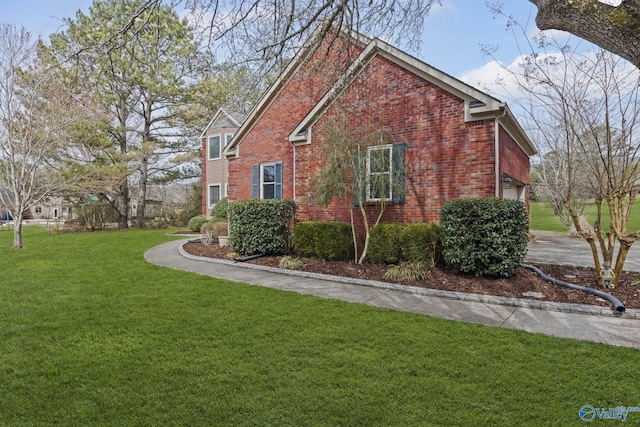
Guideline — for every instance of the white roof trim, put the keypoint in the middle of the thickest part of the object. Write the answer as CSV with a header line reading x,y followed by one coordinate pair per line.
x,y
215,118
304,53
478,105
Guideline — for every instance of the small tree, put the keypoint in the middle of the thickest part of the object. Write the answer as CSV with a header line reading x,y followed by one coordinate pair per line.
x,y
362,169
588,106
37,111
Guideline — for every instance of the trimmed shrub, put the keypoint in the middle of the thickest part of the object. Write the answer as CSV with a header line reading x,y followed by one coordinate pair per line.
x,y
420,242
220,228
206,228
333,240
196,222
262,226
303,238
220,210
215,228
486,237
384,243
325,240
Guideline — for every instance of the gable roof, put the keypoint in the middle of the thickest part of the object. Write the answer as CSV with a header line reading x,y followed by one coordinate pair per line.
x,y
224,119
477,104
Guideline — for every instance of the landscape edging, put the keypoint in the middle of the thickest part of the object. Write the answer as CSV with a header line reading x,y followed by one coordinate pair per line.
x,y
460,296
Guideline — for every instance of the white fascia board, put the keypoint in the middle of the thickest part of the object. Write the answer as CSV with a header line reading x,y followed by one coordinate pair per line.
x,y
301,135
511,125
211,122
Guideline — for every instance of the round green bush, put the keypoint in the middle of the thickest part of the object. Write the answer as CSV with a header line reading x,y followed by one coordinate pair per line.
x,y
420,242
196,222
220,210
485,237
384,243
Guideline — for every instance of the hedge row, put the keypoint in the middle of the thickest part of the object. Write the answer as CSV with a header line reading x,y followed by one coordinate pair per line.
x,y
324,240
392,242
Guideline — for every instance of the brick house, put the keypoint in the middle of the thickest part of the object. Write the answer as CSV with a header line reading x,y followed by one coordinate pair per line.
x,y
452,140
215,173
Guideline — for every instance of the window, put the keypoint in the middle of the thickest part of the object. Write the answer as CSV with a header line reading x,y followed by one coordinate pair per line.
x,y
214,195
214,147
383,174
267,181
38,210
228,139
379,173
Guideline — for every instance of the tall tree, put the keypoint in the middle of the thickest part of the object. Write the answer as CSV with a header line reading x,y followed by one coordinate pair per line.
x,y
37,112
266,33
141,62
588,106
615,28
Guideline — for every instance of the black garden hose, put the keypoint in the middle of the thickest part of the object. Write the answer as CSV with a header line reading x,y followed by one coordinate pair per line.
x,y
618,306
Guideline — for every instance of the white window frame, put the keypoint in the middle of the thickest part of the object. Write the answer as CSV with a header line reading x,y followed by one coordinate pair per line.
x,y
210,155
220,197
263,183
389,148
227,138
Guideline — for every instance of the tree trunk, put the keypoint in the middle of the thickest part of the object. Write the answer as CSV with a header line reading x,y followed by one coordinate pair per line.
x,y
142,198
614,28
17,230
123,208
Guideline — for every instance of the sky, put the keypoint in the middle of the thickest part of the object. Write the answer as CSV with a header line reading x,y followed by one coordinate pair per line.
x,y
452,38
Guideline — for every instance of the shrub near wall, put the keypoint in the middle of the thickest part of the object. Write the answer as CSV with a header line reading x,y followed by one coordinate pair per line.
x,y
486,237
420,242
384,244
261,226
325,240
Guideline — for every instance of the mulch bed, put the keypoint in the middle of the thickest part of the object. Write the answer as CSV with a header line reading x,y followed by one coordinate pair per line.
x,y
440,277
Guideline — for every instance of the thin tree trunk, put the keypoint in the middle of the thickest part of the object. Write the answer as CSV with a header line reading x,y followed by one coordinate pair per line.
x,y
17,231
124,206
141,209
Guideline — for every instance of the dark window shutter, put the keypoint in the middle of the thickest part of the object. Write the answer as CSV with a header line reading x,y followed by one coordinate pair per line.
x,y
278,184
255,181
397,159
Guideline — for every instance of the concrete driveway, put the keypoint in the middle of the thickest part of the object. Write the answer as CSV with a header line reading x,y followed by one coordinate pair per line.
x,y
560,249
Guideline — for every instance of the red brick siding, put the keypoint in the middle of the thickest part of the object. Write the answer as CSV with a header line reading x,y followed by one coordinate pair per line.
x,y
513,161
445,157
268,139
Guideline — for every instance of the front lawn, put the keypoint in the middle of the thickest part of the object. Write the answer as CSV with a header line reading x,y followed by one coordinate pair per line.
x,y
542,217
91,334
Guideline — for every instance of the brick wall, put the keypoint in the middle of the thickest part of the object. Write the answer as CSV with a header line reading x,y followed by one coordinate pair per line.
x,y
268,139
445,157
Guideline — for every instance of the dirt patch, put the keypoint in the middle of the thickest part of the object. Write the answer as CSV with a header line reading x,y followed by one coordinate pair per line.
x,y
440,277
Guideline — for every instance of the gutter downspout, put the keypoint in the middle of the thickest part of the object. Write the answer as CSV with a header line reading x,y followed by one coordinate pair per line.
x,y
496,147
294,172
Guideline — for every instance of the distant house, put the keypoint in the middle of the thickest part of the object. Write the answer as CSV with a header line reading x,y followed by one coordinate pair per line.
x,y
215,173
450,139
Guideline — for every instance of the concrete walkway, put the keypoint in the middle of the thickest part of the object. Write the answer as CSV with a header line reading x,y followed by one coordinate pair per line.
x,y
559,320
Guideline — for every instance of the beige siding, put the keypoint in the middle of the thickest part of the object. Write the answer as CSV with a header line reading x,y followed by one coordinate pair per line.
x,y
217,171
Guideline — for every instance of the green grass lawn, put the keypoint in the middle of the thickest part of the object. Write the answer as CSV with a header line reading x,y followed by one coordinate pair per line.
x,y
91,334
542,218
